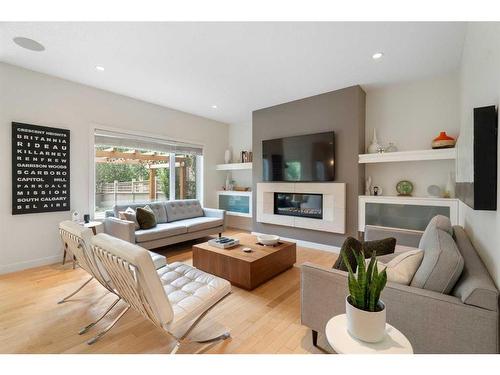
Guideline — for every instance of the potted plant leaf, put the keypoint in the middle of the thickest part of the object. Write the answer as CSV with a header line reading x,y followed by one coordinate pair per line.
x,y
366,315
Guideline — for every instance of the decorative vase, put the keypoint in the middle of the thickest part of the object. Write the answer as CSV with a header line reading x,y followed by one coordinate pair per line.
x,y
368,186
391,147
443,140
449,191
374,146
227,156
368,326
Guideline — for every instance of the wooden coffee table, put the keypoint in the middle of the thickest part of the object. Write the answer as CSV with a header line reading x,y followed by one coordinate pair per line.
x,y
245,270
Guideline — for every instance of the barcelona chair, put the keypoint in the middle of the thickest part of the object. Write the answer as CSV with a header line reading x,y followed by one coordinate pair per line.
x,y
174,298
76,240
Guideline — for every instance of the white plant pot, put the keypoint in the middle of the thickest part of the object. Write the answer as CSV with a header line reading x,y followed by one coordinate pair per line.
x,y
365,325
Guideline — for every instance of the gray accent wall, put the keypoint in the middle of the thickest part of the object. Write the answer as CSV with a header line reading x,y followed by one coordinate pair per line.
x,y
342,111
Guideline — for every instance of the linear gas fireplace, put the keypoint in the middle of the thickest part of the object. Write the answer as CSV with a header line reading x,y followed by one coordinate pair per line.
x,y
299,204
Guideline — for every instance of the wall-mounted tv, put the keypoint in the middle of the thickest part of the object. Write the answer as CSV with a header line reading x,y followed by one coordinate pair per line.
x,y
304,158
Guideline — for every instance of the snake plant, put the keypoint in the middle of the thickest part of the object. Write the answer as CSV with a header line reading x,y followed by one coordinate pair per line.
x,y
365,286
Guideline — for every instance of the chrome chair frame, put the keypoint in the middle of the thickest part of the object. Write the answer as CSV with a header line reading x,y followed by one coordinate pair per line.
x,y
85,259
124,276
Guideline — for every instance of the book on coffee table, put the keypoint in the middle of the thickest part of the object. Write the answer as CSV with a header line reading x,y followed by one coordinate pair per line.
x,y
224,242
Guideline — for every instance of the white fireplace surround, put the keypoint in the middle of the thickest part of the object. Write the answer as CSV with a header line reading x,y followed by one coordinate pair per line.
x,y
333,205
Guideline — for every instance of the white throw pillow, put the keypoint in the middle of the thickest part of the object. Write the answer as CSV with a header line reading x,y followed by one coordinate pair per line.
x,y
402,268
130,215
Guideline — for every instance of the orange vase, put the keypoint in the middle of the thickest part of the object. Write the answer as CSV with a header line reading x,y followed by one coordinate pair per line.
x,y
443,141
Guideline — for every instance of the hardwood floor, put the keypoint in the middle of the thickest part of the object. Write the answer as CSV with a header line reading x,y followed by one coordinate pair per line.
x,y
265,320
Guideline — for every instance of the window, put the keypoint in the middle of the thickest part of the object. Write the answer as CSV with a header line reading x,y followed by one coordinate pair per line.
x,y
132,169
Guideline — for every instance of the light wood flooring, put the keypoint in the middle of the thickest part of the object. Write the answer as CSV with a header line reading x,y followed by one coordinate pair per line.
x,y
265,320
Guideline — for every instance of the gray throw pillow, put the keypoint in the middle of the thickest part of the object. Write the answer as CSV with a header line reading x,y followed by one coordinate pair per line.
x,y
442,264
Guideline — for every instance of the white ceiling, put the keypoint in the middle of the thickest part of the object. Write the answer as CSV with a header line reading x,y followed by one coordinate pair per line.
x,y
240,67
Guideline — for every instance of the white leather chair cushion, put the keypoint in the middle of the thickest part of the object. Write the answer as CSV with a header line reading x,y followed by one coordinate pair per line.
x,y
147,277
200,223
190,291
159,260
160,231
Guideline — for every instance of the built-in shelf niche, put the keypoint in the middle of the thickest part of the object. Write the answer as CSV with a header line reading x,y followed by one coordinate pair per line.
x,y
412,213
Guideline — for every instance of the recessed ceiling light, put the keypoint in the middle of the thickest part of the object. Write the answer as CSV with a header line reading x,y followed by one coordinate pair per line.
x,y
214,106
27,43
377,55
99,68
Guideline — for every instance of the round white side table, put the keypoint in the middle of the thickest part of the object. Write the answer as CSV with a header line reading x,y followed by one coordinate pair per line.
x,y
343,343
96,226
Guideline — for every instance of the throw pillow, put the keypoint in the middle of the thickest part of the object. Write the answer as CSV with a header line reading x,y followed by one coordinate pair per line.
x,y
129,215
380,247
146,217
403,267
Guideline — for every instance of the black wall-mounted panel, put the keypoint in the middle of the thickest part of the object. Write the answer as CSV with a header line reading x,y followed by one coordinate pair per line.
x,y
482,193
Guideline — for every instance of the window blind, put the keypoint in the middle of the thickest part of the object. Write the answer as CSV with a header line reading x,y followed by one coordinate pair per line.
x,y
108,138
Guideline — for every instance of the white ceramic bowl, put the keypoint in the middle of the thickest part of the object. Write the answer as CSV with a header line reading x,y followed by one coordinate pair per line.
x,y
268,239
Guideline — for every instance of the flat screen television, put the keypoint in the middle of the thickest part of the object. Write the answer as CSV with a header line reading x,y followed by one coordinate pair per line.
x,y
305,158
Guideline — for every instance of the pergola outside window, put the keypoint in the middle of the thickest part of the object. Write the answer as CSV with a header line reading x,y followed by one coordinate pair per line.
x,y
144,171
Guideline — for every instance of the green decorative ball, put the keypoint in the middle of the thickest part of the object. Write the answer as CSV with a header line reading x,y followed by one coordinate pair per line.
x,y
404,188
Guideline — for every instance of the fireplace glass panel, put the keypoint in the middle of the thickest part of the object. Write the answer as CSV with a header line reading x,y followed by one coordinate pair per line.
x,y
295,204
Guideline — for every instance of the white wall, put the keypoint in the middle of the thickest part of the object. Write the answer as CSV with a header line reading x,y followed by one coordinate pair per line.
x,y
240,139
480,86
410,115
26,96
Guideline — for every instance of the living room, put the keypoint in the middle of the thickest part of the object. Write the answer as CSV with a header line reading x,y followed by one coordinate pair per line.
x,y
334,193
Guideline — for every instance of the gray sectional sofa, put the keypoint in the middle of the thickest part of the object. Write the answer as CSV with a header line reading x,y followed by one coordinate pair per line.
x,y
450,306
177,221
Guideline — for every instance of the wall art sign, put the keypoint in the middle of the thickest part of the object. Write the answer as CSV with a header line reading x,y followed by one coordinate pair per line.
x,y
40,169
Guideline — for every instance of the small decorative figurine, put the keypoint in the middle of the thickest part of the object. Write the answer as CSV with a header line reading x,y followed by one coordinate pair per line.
x,y
443,140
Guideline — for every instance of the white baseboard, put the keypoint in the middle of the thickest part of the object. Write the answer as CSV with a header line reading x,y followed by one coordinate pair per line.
x,y
13,267
311,245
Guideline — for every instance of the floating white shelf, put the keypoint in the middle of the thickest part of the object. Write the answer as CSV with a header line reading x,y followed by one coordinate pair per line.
x,y
233,166
416,155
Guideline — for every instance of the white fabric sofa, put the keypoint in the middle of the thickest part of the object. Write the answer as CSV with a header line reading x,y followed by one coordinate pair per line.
x,y
177,221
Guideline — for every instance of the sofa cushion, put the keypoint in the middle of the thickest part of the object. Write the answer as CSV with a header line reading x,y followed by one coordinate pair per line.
x,y
380,247
442,263
129,215
402,268
440,222
397,251
145,217
183,209
191,291
159,210
201,223
475,286
157,207
160,231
